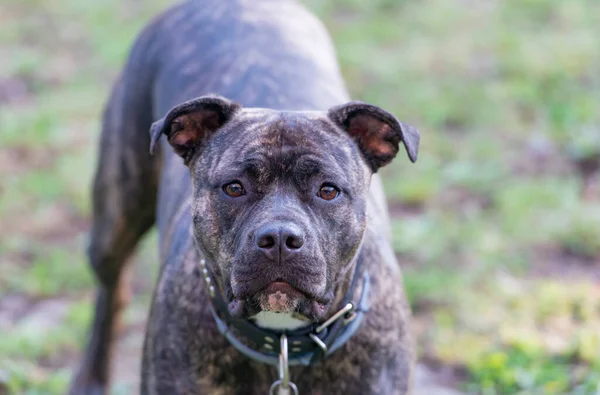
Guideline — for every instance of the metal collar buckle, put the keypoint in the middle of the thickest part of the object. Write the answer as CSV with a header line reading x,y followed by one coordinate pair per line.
x,y
342,312
283,386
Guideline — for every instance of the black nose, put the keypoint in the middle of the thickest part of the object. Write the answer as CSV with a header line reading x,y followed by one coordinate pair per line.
x,y
279,241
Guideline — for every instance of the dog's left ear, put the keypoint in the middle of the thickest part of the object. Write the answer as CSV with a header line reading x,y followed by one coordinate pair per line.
x,y
188,125
377,132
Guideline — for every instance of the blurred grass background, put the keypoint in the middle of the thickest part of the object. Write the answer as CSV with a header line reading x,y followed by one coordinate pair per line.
x,y
497,226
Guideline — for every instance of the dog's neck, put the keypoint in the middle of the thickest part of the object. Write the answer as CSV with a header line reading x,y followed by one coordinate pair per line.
x,y
278,321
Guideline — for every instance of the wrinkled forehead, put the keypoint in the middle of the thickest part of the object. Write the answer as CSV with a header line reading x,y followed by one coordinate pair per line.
x,y
269,130
284,142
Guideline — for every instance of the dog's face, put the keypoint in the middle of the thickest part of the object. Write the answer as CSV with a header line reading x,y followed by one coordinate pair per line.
x,y
279,198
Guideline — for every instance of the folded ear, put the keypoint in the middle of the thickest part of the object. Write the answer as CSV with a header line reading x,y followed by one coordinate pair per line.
x,y
377,132
188,125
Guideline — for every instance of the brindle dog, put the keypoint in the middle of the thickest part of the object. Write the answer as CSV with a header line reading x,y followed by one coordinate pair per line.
x,y
276,192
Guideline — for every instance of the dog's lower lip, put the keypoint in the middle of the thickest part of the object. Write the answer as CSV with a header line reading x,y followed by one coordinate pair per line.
x,y
284,287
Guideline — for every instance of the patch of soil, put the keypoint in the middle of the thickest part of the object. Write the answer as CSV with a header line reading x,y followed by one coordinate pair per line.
x,y
539,157
71,225
466,200
54,224
45,313
552,262
30,313
14,89
398,209
12,308
18,160
436,380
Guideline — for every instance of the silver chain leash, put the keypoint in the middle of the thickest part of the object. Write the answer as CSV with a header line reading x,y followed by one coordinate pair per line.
x,y
283,386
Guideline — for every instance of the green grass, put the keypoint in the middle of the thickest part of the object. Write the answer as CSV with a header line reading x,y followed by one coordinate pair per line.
x,y
500,250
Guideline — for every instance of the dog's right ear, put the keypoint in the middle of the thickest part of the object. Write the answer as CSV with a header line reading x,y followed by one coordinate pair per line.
x,y
377,132
189,125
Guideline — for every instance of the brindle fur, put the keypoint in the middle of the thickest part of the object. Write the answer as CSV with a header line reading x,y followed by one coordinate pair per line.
x,y
261,54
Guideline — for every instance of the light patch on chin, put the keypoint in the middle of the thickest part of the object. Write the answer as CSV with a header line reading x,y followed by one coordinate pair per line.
x,y
272,320
278,302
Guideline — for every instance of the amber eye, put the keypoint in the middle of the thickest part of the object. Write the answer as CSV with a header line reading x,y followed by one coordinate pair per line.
x,y
234,189
328,192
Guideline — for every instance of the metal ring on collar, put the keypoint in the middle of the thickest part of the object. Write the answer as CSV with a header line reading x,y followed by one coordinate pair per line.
x,y
277,385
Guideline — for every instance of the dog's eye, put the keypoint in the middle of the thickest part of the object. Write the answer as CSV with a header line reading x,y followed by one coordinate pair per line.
x,y
328,192
234,189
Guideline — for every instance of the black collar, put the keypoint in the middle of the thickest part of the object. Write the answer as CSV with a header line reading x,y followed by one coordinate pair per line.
x,y
307,345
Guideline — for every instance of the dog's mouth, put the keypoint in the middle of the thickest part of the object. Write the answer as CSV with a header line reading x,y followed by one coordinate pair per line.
x,y
281,297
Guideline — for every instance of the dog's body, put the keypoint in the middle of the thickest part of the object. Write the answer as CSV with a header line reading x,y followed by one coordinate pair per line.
x,y
260,54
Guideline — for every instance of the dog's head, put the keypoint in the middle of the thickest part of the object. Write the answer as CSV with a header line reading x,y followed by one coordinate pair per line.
x,y
279,198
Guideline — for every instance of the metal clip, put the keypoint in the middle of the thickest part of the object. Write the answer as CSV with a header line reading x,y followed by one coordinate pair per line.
x,y
318,342
283,386
348,307
348,318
